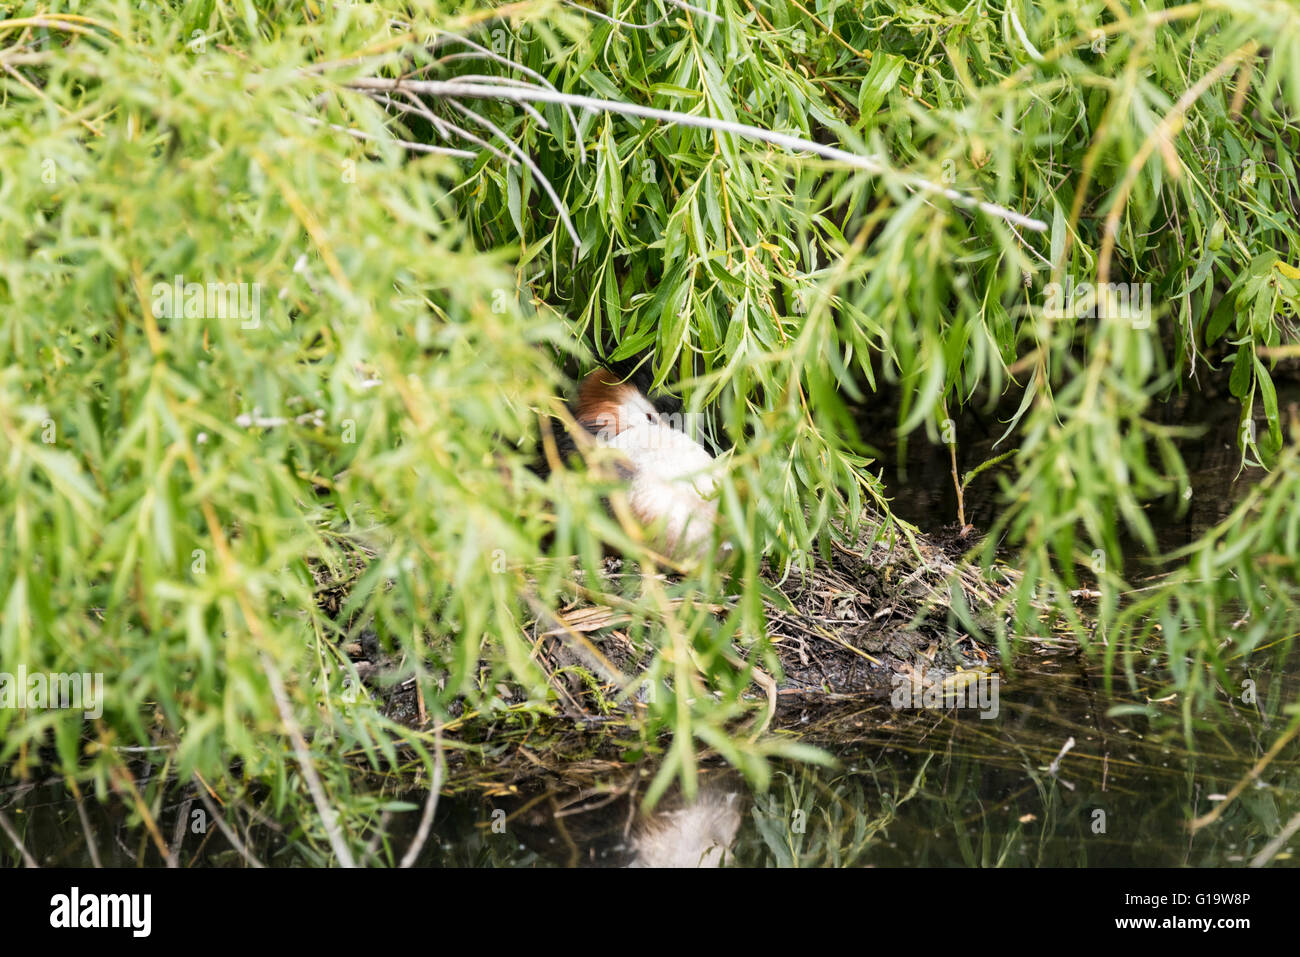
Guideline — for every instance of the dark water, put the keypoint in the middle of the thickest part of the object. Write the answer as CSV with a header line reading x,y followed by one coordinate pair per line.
x,y
909,787
941,788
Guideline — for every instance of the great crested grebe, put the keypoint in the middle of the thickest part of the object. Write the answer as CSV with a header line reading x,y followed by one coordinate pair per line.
x,y
671,481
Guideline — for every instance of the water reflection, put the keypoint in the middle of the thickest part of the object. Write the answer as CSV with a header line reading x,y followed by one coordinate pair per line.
x,y
950,789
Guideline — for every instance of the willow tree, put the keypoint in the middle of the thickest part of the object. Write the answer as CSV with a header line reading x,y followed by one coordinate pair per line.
x,y
289,288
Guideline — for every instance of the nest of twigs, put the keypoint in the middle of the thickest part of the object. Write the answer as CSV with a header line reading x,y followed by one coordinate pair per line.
x,y
845,630
876,611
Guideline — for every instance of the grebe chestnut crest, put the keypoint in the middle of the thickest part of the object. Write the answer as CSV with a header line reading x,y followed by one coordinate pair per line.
x,y
672,488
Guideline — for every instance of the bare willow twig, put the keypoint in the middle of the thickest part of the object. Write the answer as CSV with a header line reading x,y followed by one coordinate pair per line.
x,y
430,804
615,20
450,90
483,51
12,834
328,816
406,144
1269,851
508,81
560,208
226,829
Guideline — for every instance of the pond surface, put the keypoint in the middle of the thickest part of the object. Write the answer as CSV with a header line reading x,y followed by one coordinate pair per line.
x,y
912,788
950,788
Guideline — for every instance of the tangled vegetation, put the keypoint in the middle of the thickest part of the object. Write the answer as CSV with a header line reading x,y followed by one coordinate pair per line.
x,y
289,288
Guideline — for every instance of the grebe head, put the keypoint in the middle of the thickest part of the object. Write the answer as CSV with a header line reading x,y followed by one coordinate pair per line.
x,y
608,406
